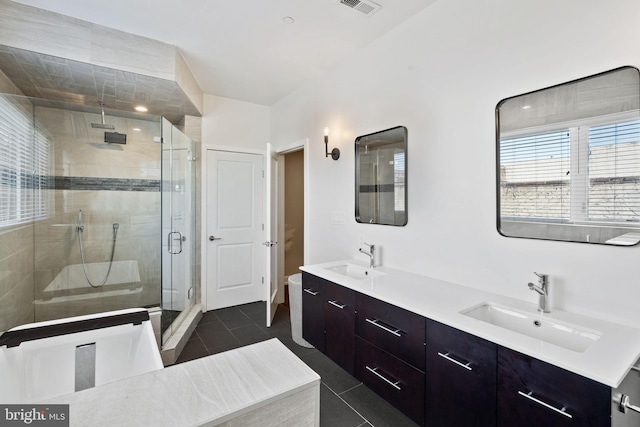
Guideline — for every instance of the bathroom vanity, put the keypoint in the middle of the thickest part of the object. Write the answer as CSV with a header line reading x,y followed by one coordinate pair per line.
x,y
449,355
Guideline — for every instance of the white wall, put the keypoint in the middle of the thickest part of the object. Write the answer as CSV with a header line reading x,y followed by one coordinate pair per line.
x,y
240,124
441,74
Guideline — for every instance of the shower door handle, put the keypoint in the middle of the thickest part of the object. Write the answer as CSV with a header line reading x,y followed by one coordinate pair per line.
x,y
170,241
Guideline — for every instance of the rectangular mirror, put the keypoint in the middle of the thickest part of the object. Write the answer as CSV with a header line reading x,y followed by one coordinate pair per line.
x,y
568,161
381,177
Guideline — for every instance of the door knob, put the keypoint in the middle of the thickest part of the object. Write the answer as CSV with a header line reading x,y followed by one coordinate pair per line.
x,y
270,243
212,238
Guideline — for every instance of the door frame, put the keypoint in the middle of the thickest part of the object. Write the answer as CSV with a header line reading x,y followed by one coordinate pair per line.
x,y
203,209
302,144
277,189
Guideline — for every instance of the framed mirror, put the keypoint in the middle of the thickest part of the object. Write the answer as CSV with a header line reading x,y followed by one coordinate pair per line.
x,y
568,161
381,177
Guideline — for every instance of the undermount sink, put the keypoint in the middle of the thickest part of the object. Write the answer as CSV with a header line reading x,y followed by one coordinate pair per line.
x,y
566,335
355,271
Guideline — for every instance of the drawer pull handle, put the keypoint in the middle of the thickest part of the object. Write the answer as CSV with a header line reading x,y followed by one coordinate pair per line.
x,y
377,323
452,360
335,304
624,405
382,377
309,291
546,405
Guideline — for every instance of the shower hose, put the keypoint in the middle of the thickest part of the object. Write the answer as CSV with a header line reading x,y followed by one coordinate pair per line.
x,y
80,229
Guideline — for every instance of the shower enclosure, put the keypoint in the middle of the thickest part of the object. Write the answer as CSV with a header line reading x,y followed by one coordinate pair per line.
x,y
178,226
85,224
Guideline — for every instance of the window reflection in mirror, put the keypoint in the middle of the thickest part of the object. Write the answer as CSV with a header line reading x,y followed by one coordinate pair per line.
x,y
568,161
381,193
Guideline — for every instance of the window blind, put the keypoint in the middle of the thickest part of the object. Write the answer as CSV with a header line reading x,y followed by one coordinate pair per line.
x,y
24,165
399,180
535,178
614,172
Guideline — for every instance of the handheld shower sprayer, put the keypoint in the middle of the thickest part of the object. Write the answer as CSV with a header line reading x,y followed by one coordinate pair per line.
x,y
80,227
80,230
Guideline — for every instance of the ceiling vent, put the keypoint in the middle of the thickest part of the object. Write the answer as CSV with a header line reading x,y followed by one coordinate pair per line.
x,y
365,7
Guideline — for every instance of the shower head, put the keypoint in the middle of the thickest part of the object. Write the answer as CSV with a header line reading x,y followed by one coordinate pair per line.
x,y
102,125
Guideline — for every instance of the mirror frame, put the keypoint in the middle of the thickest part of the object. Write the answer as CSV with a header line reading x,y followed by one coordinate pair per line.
x,y
583,117
357,176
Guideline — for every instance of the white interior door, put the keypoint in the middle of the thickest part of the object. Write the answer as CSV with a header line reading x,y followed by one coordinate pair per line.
x,y
271,233
234,229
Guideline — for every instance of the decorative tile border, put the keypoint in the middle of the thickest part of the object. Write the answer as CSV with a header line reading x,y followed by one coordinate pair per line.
x,y
381,188
105,184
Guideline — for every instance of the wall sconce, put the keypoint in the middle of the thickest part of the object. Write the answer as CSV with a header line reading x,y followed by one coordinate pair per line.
x,y
335,153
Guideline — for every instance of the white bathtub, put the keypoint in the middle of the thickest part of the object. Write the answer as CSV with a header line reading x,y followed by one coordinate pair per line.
x,y
47,359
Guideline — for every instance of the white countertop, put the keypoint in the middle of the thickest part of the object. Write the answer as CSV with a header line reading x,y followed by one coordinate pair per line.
x,y
607,361
205,391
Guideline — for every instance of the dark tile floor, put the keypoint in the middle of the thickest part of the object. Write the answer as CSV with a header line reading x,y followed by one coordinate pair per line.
x,y
344,401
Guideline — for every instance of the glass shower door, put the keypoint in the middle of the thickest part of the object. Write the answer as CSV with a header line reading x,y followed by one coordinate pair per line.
x,y
178,224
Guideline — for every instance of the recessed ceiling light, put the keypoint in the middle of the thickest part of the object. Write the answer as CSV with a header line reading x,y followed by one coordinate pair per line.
x,y
526,107
141,108
137,129
288,20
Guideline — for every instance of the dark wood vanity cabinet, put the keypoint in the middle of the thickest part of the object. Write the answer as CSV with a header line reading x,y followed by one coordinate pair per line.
x,y
440,376
339,324
396,381
390,354
313,290
461,378
391,328
328,319
535,393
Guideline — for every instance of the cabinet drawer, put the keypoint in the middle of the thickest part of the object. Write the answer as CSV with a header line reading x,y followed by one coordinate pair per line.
x,y
339,312
461,378
313,289
532,392
396,330
397,382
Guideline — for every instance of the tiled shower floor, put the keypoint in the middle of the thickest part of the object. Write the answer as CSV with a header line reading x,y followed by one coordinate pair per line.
x,y
344,401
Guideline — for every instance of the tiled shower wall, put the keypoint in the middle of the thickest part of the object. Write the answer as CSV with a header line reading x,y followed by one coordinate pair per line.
x,y
110,183
16,258
16,276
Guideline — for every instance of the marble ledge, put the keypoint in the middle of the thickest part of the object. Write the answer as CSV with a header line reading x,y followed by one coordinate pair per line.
x,y
238,384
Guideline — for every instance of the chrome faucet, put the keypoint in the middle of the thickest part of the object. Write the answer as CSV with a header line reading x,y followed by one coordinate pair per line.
x,y
542,288
370,253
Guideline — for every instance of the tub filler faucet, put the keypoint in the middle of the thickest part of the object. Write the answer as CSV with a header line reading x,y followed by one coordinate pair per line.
x,y
542,288
370,253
